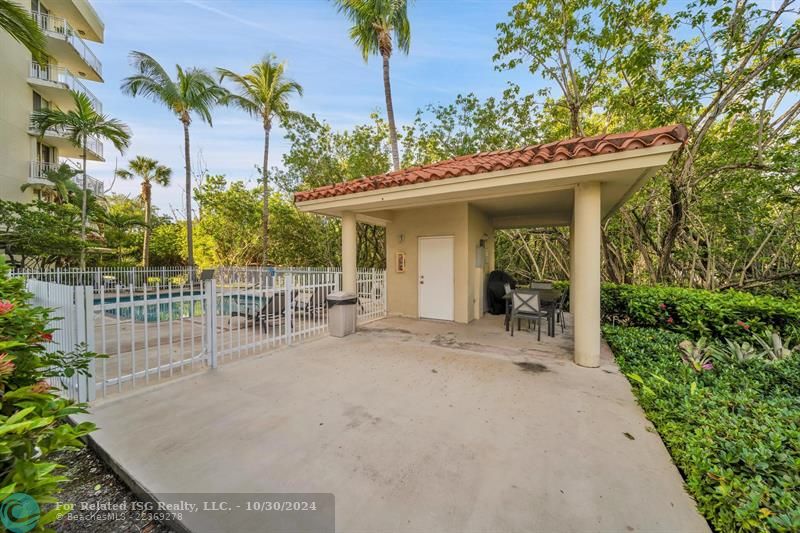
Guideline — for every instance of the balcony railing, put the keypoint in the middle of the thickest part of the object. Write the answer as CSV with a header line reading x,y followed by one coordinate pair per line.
x,y
39,170
61,29
64,77
93,144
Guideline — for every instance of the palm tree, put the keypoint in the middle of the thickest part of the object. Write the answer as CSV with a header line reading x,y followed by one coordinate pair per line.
x,y
116,226
263,93
62,183
150,171
19,24
77,125
193,91
374,23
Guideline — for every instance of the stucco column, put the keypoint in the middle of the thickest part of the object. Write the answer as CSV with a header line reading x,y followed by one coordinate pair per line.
x,y
349,252
586,274
571,259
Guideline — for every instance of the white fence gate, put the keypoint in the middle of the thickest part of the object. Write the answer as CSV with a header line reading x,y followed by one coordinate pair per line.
x,y
166,322
72,317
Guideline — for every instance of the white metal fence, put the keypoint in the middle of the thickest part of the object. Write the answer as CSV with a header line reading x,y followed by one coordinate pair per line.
x,y
72,318
158,323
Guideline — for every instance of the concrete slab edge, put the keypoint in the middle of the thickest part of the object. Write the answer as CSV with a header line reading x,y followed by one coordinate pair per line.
x,y
133,484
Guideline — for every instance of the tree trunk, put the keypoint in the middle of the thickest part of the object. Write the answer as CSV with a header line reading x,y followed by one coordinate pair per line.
x,y
83,210
677,212
575,120
265,199
146,197
187,157
387,89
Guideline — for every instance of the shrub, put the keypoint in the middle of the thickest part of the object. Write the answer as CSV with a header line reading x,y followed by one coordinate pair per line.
x,y
700,313
734,430
33,420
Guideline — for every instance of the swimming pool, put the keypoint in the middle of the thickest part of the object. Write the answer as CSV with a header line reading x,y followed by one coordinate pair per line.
x,y
183,305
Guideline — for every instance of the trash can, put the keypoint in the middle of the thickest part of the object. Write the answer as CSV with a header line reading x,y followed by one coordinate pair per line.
x,y
341,314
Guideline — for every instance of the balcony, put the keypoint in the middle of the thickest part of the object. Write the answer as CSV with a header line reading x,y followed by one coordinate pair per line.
x,y
54,83
59,138
66,46
38,176
81,16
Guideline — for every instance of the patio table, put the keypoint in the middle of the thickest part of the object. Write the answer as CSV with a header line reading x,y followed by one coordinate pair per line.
x,y
548,298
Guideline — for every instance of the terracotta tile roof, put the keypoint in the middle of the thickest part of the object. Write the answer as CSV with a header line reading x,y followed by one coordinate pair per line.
x,y
467,165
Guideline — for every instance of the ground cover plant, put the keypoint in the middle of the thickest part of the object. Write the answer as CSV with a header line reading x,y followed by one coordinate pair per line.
x,y
731,424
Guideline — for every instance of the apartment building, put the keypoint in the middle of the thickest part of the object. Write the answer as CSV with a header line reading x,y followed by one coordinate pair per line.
x,y
26,86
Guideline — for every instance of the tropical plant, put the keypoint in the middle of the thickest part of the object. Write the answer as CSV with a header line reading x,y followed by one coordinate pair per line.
x,y
696,355
375,23
18,23
263,93
40,234
731,350
193,92
149,171
34,420
116,228
77,125
62,184
773,346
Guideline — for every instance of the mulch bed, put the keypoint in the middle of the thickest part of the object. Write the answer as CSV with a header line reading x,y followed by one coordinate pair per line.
x,y
92,481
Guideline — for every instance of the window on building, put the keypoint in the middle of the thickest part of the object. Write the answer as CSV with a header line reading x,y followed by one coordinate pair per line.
x,y
39,103
45,154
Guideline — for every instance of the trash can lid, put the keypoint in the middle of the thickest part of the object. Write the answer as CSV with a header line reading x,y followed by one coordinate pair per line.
x,y
339,296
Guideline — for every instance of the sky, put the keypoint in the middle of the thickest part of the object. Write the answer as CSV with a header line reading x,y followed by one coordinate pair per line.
x,y
452,44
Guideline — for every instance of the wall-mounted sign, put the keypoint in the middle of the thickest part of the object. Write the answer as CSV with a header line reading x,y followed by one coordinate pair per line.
x,y
400,262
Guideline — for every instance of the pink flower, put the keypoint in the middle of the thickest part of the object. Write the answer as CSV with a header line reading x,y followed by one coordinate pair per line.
x,y
6,366
41,387
662,306
6,307
670,320
708,366
742,324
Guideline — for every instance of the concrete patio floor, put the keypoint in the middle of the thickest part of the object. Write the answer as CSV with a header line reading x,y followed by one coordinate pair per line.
x,y
413,426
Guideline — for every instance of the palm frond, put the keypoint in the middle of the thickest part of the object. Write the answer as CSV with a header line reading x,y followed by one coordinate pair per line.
x,y
264,91
150,81
21,26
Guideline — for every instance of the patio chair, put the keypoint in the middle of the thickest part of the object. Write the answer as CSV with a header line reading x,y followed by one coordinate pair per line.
x,y
526,306
274,308
562,303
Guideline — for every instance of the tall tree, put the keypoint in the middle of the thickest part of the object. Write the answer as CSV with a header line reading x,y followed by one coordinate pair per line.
x,y
193,92
77,125
374,24
18,23
264,93
149,171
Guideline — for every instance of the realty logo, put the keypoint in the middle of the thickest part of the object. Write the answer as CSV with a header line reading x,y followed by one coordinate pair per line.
x,y
19,513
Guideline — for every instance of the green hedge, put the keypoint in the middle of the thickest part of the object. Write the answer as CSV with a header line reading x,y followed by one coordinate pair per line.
x,y
700,313
733,431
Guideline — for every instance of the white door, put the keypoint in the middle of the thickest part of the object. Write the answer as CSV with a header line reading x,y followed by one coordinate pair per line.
x,y
436,277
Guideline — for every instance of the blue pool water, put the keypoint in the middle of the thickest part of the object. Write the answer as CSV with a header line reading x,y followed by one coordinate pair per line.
x,y
192,305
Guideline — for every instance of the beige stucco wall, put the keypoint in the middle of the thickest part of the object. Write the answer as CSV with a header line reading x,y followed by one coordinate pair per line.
x,y
17,146
460,220
442,220
16,103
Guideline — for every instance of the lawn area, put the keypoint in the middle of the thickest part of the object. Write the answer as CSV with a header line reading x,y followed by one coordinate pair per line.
x,y
733,429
